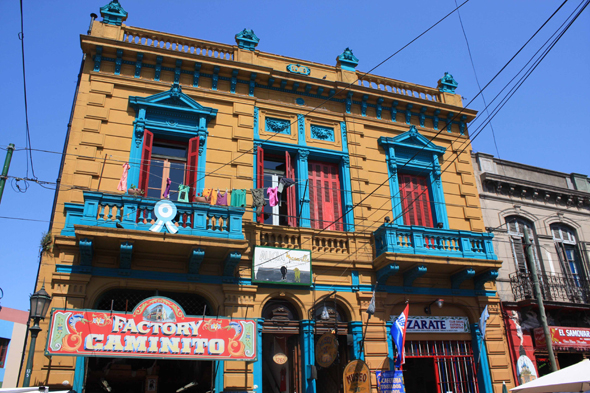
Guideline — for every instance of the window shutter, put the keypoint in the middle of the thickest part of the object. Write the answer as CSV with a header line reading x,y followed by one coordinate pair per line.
x,y
146,157
291,204
415,200
260,174
519,255
192,167
325,199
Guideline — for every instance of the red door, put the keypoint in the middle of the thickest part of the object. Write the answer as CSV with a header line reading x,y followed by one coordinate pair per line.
x,y
415,200
193,163
324,194
146,157
291,204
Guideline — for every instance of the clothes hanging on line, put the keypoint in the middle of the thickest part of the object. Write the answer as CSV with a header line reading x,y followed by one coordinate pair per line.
x,y
211,195
222,199
258,201
183,192
238,198
167,190
285,182
123,182
273,198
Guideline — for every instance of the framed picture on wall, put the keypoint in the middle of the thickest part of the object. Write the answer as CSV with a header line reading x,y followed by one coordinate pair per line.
x,y
151,383
281,266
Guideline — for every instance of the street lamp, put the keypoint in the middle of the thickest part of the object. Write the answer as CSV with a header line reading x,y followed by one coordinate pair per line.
x,y
439,303
40,301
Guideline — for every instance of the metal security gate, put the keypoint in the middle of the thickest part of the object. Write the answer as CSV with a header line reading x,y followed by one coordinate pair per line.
x,y
454,366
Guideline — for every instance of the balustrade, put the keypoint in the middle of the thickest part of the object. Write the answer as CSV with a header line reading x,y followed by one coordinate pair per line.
x,y
554,287
433,241
108,210
394,86
177,43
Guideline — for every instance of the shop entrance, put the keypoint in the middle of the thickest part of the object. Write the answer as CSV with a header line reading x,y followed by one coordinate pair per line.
x,y
281,353
568,359
148,375
332,319
440,366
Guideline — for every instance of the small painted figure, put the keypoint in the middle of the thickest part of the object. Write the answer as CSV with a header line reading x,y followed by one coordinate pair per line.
x,y
284,273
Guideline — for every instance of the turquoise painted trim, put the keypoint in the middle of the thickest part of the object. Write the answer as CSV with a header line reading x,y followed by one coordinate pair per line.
x,y
220,372
118,61
208,279
246,39
301,139
415,154
177,71
256,123
257,364
298,69
315,153
390,350
97,58
347,60
303,188
411,275
347,203
458,278
435,119
252,84
138,65
480,280
384,273
484,377
393,109
158,71
321,133
113,13
344,136
447,243
447,84
308,354
196,74
255,154
78,384
277,126
357,350
379,107
215,78
354,276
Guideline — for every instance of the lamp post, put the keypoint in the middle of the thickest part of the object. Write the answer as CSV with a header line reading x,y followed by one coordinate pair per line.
x,y
40,301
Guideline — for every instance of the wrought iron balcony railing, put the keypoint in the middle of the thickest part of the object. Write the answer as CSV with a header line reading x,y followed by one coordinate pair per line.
x,y
433,241
131,212
554,287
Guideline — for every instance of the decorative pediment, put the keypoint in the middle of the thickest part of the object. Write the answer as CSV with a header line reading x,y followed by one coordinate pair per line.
x,y
172,100
412,139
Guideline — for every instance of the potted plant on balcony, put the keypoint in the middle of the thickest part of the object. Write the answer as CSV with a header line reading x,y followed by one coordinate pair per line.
x,y
135,191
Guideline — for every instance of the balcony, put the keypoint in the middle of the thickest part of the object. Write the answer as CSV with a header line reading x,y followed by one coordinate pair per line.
x,y
435,242
137,213
554,287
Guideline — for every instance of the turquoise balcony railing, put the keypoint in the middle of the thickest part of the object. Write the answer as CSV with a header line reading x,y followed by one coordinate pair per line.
x,y
433,241
197,219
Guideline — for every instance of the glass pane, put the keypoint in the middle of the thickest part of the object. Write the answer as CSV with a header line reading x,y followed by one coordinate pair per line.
x,y
176,175
156,172
169,151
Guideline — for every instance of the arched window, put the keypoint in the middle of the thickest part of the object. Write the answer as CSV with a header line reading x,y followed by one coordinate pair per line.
x,y
126,299
516,227
568,252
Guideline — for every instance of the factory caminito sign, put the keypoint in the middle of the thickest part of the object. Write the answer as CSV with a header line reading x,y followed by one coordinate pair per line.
x,y
157,328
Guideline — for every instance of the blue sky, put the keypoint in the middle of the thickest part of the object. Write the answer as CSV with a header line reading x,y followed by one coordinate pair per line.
x,y
545,123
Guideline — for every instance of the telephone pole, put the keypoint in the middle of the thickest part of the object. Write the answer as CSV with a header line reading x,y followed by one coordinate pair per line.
x,y
4,175
539,296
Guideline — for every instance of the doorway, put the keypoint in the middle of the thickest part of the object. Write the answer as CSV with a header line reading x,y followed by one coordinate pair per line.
x,y
419,375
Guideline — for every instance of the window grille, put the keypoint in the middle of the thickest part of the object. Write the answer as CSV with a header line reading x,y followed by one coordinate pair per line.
x,y
127,299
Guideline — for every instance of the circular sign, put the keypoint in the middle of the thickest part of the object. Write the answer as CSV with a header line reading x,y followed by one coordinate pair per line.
x,y
326,350
280,358
165,210
357,377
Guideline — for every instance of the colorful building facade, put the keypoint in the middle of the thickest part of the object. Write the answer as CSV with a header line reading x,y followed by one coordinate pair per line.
x,y
553,207
13,330
270,189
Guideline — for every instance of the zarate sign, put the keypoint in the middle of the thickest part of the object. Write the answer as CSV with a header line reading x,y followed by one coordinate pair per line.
x,y
564,337
157,328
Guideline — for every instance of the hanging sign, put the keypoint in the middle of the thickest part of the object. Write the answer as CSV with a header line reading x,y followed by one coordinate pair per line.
x,y
357,377
417,324
564,337
156,328
390,381
281,266
326,350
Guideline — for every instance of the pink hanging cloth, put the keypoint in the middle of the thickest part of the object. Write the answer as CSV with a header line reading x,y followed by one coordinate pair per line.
x,y
123,182
273,198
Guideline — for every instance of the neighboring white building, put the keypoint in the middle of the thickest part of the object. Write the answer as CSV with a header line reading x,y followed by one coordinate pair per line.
x,y
554,207
13,330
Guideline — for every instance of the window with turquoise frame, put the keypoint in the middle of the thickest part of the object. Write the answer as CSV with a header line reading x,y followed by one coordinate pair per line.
x,y
413,164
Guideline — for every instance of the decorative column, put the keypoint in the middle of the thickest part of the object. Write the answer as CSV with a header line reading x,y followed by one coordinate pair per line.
x,y
390,349
308,354
136,145
480,356
440,207
78,384
219,372
347,195
303,188
356,329
257,365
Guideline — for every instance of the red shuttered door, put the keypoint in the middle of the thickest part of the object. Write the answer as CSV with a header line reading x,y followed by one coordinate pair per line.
x,y
324,195
146,157
415,200
192,167
291,207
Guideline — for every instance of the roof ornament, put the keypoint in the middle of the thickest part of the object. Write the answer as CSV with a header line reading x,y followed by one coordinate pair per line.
x,y
113,13
347,60
447,84
175,91
246,39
